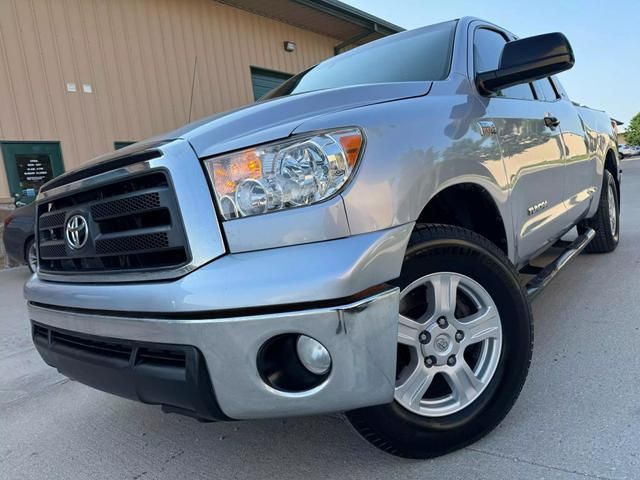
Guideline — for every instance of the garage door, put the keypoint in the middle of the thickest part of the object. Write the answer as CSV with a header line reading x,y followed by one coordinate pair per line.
x,y
264,81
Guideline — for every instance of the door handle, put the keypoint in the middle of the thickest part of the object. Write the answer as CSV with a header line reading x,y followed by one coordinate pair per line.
x,y
551,121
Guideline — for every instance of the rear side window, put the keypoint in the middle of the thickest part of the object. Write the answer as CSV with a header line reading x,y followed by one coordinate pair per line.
x,y
561,91
546,90
487,50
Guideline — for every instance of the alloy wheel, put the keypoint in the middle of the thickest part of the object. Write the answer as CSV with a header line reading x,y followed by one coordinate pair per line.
x,y
613,212
32,257
449,344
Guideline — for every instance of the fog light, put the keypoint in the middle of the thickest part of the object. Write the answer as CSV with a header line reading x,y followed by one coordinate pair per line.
x,y
313,355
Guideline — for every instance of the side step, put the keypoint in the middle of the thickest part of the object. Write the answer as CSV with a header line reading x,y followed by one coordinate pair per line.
x,y
546,274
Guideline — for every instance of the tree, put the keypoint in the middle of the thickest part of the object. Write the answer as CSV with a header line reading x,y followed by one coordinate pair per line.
x,y
632,134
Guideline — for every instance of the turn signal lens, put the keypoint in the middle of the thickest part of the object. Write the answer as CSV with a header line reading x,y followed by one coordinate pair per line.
x,y
351,145
247,165
300,171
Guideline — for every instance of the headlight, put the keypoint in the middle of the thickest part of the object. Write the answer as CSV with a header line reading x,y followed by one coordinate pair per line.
x,y
299,171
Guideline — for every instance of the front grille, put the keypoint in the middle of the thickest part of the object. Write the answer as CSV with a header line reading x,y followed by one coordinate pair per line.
x,y
136,243
115,208
133,224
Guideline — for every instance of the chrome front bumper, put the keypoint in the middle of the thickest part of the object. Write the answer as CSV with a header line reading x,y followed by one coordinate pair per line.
x,y
360,336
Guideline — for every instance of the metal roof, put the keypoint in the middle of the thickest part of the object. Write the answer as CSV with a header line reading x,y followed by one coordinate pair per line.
x,y
327,17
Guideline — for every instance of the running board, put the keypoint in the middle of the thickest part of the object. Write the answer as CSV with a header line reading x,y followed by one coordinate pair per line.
x,y
542,278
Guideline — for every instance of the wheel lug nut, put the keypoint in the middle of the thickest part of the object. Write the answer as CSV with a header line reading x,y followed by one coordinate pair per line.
x,y
424,337
442,322
451,361
429,361
459,335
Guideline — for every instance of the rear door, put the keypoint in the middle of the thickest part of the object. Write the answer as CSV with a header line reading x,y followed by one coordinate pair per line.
x,y
532,151
580,160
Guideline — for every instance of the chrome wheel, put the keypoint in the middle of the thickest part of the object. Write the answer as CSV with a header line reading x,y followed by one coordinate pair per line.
x,y
449,344
32,257
613,212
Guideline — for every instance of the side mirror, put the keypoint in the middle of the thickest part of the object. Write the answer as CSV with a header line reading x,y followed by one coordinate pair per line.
x,y
527,60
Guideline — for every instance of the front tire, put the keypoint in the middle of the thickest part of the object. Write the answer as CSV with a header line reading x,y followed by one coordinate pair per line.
x,y
31,255
465,345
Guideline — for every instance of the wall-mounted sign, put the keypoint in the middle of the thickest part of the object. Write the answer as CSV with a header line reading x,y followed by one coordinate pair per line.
x,y
33,170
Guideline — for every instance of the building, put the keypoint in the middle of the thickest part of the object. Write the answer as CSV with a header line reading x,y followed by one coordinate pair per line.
x,y
79,78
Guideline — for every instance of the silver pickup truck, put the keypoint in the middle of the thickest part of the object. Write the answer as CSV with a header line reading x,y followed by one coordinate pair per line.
x,y
357,241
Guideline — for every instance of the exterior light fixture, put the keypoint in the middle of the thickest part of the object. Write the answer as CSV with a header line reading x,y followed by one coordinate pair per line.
x,y
313,355
289,46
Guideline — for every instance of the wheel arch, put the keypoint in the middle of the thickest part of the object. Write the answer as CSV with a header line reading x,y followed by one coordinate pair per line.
x,y
612,166
470,205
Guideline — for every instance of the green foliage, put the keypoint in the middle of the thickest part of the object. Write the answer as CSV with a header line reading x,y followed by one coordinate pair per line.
x,y
632,134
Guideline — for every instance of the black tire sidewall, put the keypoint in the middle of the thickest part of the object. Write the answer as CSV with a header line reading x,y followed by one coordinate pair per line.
x,y
418,436
28,247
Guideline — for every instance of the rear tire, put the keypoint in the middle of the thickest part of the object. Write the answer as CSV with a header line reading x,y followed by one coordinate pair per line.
x,y
606,221
419,426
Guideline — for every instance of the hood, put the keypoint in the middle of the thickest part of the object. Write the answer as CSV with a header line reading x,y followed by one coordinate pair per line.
x,y
261,122
276,119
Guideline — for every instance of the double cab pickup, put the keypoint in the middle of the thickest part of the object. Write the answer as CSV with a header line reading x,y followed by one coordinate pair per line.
x,y
359,240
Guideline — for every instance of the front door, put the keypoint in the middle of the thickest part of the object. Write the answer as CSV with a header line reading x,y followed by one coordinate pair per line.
x,y
533,152
29,165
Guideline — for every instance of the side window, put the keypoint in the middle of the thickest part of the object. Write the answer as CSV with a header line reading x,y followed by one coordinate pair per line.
x,y
546,90
559,88
487,49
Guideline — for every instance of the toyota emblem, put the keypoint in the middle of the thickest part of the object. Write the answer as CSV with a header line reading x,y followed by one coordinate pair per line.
x,y
76,232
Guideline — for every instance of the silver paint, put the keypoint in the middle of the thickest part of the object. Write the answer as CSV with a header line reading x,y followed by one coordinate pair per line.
x,y
423,137
315,223
295,274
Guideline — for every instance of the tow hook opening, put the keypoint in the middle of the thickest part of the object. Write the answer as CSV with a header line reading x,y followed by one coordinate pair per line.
x,y
293,362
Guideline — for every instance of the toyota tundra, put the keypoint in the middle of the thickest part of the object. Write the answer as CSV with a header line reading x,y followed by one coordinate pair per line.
x,y
360,240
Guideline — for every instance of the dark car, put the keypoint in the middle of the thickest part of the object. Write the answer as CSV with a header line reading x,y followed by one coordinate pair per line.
x,y
18,236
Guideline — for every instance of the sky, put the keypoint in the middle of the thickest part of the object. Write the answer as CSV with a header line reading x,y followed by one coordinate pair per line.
x,y
605,36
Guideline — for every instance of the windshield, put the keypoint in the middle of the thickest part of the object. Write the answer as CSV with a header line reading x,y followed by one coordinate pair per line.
x,y
418,55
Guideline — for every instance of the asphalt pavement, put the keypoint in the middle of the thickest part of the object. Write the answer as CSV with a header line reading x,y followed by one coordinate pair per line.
x,y
578,416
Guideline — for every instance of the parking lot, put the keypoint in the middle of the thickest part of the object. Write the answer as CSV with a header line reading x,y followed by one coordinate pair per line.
x,y
578,415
